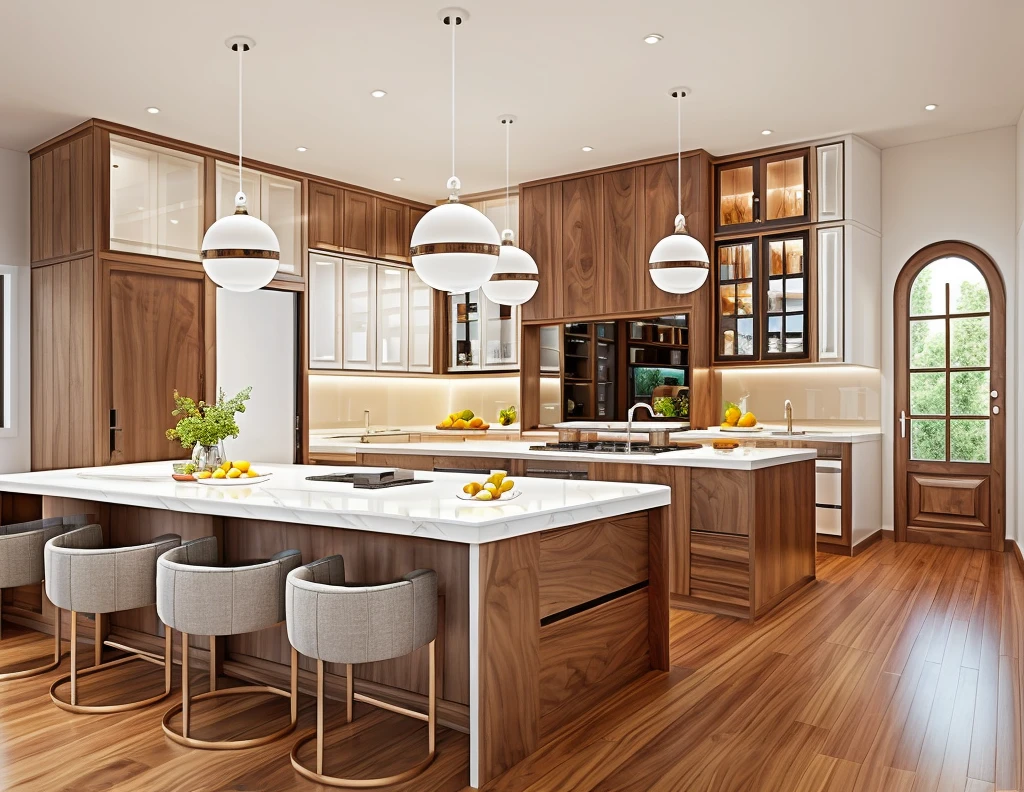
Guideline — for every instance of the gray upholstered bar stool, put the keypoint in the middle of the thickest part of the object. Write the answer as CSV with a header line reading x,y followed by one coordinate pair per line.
x,y
21,564
197,597
84,576
335,623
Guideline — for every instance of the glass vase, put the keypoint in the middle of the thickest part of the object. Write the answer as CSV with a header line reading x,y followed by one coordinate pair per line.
x,y
208,457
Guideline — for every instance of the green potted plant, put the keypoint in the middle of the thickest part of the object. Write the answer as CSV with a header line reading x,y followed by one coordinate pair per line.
x,y
203,427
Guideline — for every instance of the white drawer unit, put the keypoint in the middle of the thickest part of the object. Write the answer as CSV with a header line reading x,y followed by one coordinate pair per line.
x,y
828,520
828,496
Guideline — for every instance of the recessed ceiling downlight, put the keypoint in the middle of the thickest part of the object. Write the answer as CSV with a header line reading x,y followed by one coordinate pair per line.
x,y
152,110
653,38
766,131
930,107
588,148
300,149
378,94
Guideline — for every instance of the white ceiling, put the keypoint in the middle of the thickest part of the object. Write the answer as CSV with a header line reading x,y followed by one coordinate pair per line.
x,y
575,72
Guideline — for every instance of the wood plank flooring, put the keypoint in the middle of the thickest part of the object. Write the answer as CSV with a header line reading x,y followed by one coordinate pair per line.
x,y
899,670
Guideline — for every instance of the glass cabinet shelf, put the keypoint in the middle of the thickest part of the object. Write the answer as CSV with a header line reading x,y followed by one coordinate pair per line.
x,y
760,193
738,304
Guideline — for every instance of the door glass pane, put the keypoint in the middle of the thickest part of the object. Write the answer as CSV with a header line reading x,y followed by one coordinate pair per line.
x,y
323,312
745,336
465,330
784,189
794,334
776,255
735,262
928,343
968,292
968,392
928,393
737,195
794,256
928,440
968,341
745,298
968,440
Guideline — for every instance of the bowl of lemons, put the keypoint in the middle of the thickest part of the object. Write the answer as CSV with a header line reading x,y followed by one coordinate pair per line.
x,y
232,474
498,487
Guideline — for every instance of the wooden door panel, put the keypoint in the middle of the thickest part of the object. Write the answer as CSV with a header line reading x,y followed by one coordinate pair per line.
x,y
325,217
582,243
155,342
618,273
359,224
540,235
392,231
953,501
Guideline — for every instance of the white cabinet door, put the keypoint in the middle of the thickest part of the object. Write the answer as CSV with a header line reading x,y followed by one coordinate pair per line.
x,y
830,293
358,317
392,318
281,209
421,324
830,183
156,204
227,186
325,300
501,334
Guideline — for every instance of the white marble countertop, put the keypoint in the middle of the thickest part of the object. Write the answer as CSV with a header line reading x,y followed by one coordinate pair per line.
x,y
428,510
620,426
838,434
739,459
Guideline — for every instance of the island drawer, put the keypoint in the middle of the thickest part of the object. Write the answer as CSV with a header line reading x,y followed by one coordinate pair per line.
x,y
720,567
721,501
584,562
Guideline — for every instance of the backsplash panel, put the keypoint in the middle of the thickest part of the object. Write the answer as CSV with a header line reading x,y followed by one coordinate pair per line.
x,y
819,393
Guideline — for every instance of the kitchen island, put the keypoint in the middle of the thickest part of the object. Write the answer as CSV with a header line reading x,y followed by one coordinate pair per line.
x,y
741,525
548,603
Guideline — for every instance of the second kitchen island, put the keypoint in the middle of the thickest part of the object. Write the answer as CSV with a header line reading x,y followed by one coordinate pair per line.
x,y
741,527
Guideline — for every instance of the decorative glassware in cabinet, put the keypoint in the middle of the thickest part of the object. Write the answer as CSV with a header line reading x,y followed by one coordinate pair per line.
x,y
785,331
786,197
737,304
501,333
737,196
464,309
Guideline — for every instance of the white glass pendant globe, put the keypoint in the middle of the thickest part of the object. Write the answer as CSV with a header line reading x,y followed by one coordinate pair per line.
x,y
679,263
241,252
516,277
454,247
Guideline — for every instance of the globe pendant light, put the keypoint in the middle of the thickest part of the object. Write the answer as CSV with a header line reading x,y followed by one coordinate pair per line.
x,y
240,252
679,263
454,247
516,279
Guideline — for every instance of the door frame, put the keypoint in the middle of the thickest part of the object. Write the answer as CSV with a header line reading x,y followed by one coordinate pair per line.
x,y
997,382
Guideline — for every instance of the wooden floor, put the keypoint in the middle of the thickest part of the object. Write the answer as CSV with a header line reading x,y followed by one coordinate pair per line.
x,y
899,670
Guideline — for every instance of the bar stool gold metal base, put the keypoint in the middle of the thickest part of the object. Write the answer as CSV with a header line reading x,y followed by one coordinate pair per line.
x,y
350,696
58,656
185,706
164,662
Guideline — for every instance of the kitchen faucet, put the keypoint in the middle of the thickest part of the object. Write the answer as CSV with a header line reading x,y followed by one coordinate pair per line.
x,y
788,410
366,420
629,423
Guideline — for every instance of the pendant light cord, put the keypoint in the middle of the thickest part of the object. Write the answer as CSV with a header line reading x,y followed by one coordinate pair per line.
x,y
508,125
241,50
454,24
679,151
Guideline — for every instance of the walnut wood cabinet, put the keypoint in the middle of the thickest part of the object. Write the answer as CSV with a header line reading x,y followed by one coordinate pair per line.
x,y
62,199
347,221
393,232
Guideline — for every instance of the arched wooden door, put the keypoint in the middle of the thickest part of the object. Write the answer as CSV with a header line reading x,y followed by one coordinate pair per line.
x,y
949,370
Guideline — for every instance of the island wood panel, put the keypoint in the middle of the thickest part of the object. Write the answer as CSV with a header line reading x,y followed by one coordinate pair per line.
x,y
529,376
62,353
587,657
360,218
582,245
154,323
783,540
369,558
721,500
583,562
618,280
509,652
326,216
392,231
540,223
720,568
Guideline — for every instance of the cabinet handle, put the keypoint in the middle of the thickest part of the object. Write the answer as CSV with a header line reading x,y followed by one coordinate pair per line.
x,y
757,209
903,423
114,429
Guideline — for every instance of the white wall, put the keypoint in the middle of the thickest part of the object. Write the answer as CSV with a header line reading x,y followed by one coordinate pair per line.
x,y
960,188
15,443
1013,317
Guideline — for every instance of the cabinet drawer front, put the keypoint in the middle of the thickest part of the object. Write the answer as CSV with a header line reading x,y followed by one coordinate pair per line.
x,y
828,483
474,466
720,568
828,521
720,500
584,562
720,547
825,450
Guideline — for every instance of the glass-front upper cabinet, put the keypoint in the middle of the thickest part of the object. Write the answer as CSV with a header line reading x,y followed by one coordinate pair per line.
x,y
358,314
325,299
392,318
764,192
275,200
784,331
156,200
736,271
484,335
421,324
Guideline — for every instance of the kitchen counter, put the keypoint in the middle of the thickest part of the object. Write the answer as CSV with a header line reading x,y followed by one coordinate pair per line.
x,y
844,434
739,459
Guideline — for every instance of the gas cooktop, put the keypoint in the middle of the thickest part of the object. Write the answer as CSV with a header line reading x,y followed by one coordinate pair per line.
x,y
611,447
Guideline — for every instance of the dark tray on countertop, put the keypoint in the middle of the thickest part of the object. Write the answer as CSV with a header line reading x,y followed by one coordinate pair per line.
x,y
349,478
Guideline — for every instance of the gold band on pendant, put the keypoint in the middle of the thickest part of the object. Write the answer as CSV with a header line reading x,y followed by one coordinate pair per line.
x,y
514,276
241,253
680,265
456,247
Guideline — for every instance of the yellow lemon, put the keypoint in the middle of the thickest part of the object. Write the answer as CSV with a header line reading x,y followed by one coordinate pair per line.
x,y
447,423
507,484
220,473
732,415
748,420
226,466
204,474
234,473
242,465
484,495
250,473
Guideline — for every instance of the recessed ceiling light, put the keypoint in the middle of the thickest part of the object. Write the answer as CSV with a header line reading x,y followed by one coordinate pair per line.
x,y
397,178
174,222
766,131
652,38
930,107
153,110
300,149
378,94
588,148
